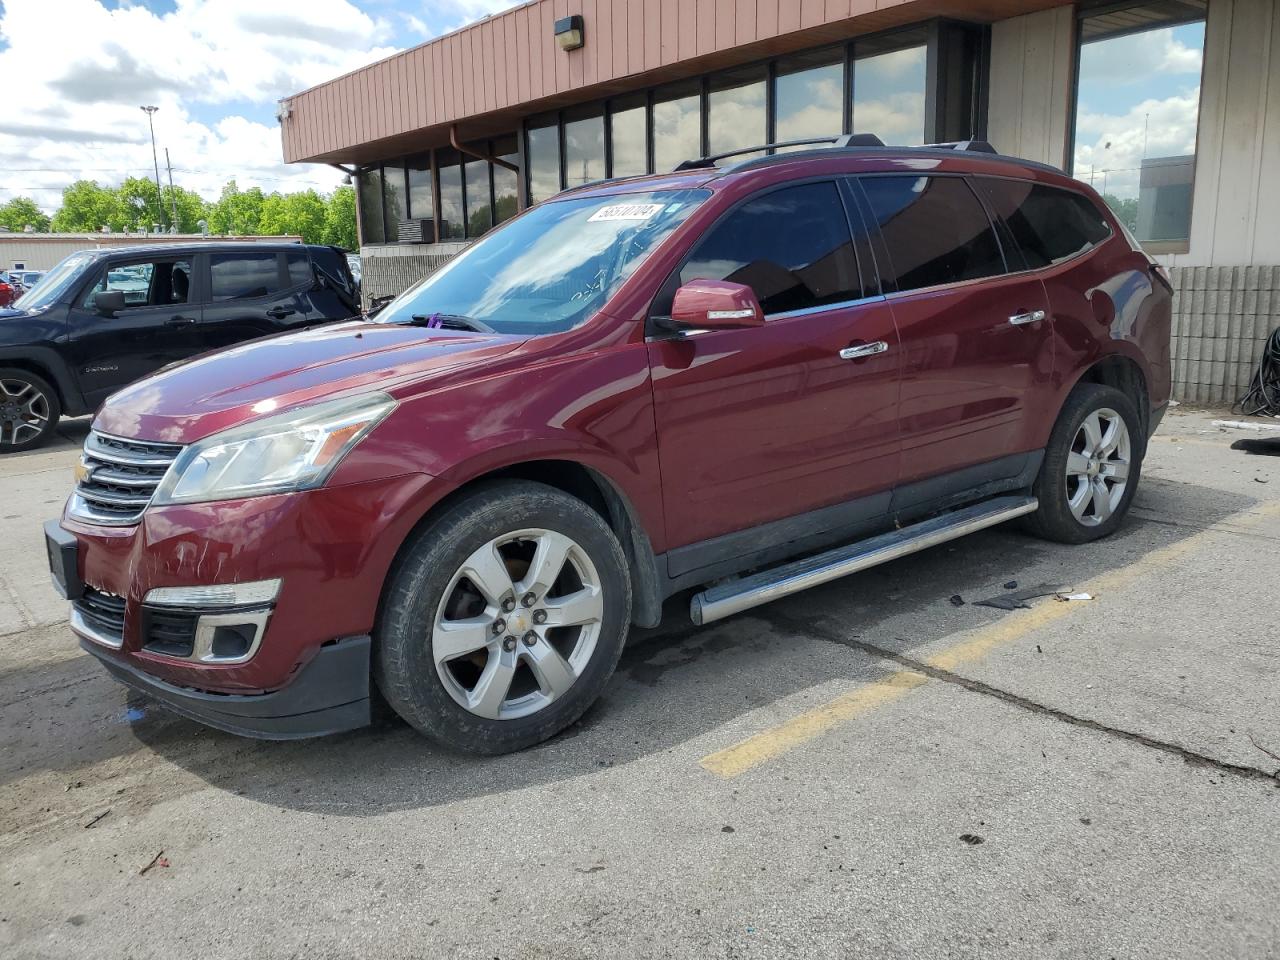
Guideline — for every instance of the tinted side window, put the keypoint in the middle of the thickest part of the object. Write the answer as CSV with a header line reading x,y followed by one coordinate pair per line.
x,y
935,229
791,246
299,269
1049,224
146,283
238,276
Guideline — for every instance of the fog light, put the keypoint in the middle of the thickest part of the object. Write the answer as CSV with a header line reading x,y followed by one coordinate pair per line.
x,y
216,595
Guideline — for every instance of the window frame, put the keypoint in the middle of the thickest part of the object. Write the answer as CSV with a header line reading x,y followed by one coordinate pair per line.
x,y
654,328
1085,12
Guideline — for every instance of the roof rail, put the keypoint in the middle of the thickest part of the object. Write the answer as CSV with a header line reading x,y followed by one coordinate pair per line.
x,y
845,140
975,146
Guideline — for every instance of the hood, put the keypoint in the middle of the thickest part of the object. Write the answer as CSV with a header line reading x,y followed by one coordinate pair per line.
x,y
225,389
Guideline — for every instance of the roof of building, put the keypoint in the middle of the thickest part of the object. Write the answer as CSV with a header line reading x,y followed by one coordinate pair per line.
x,y
487,76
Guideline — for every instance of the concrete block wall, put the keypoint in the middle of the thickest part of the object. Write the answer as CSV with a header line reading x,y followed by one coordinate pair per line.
x,y
390,269
1222,317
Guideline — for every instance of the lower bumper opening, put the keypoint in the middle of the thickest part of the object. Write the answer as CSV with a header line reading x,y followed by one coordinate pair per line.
x,y
329,695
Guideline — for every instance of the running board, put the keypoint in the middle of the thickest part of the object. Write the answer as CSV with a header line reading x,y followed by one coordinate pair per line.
x,y
732,597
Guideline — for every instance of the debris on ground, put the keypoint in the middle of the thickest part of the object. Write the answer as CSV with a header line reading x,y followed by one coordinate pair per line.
x,y
972,839
957,600
1075,596
1262,446
157,861
97,818
1244,425
1011,585
1018,600
1273,756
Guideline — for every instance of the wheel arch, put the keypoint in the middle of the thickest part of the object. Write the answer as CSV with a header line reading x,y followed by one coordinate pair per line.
x,y
1125,374
49,366
594,489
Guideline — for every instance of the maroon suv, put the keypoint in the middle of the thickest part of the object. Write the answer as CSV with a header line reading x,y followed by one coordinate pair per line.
x,y
642,386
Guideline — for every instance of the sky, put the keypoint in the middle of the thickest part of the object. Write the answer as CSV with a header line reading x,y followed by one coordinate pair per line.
x,y
75,73
1139,97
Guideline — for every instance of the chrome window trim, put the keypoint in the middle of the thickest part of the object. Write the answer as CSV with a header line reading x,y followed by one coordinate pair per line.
x,y
824,308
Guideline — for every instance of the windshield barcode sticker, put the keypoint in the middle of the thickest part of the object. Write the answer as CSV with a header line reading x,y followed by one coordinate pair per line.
x,y
626,211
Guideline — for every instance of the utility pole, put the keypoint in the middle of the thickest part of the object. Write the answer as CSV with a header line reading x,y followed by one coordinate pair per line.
x,y
155,159
173,196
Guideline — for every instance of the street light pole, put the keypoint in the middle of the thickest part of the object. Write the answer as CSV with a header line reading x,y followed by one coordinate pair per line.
x,y
155,159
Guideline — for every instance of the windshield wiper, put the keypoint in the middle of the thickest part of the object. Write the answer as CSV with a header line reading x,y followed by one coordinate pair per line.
x,y
450,321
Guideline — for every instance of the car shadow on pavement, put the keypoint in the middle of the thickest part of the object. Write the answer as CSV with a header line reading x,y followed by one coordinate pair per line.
x,y
674,683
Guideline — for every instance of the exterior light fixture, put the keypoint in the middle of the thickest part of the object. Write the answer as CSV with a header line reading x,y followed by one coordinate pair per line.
x,y
569,32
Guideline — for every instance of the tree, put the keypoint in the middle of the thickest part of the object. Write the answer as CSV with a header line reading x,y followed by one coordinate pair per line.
x,y
1126,210
22,212
295,214
237,211
141,202
340,219
87,208
192,208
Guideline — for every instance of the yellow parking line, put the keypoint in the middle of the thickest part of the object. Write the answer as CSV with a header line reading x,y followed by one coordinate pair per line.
x,y
768,744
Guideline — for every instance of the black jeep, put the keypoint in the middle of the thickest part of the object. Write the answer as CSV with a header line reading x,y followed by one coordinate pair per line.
x,y
103,318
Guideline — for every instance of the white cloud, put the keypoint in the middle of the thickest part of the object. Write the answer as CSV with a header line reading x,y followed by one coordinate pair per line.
x,y
1117,143
1138,57
76,73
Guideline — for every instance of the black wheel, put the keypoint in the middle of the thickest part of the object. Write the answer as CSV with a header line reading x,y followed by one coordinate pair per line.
x,y
504,618
1091,466
29,410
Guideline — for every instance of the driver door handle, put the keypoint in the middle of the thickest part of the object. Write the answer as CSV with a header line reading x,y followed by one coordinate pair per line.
x,y
179,321
279,313
1029,316
861,350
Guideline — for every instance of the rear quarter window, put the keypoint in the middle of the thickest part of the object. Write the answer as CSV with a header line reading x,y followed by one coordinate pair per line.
x,y
1049,224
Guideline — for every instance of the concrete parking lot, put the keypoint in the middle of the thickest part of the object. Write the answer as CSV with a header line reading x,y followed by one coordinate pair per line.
x,y
869,769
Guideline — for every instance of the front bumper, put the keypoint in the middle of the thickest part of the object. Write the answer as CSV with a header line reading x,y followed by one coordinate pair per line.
x,y
329,695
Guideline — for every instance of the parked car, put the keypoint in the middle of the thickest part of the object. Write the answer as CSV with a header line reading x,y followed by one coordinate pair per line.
x,y
28,278
101,319
10,290
638,387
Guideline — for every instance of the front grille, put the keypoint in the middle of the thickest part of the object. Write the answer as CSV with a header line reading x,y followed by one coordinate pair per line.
x,y
103,613
169,632
118,478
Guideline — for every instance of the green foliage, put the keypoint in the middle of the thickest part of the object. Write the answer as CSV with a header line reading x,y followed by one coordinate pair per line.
x,y
135,204
1126,210
340,219
21,212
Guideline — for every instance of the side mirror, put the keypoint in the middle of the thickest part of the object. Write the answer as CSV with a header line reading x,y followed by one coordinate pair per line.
x,y
109,302
716,305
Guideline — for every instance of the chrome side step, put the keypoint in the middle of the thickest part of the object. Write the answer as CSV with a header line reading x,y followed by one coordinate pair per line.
x,y
726,599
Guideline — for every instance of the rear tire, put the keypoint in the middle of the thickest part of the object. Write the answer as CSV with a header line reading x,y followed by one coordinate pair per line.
x,y
504,618
29,410
1091,467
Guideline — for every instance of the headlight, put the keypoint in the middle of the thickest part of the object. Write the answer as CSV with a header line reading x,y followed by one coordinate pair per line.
x,y
292,451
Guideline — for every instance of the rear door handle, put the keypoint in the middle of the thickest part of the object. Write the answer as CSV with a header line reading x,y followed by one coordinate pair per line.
x,y
279,313
860,350
1030,316
179,321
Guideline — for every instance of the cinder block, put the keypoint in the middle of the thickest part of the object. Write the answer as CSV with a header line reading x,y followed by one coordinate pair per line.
x,y
1220,350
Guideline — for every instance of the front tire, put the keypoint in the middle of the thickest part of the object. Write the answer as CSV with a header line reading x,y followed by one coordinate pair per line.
x,y
504,618
1091,467
29,410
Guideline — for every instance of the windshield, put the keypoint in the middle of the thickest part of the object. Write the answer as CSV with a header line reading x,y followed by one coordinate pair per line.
x,y
552,268
54,283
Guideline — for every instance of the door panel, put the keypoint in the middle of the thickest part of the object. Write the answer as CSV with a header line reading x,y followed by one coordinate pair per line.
x,y
977,345
251,295
760,424
155,329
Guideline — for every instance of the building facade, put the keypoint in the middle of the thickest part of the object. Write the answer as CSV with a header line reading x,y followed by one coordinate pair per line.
x,y
1170,108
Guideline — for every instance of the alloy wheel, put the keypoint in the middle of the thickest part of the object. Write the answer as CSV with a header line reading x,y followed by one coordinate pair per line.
x,y
518,624
1098,467
24,411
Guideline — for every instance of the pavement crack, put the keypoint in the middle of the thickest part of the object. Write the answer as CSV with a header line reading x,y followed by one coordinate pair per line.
x,y
1024,703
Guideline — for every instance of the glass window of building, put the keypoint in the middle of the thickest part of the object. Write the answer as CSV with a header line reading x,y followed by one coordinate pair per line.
x,y
369,191
677,126
421,201
542,153
629,133
736,113
1137,112
452,215
583,146
810,96
396,200
506,200
889,94
479,204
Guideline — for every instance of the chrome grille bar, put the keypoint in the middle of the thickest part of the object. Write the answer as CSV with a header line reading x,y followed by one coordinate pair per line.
x,y
118,478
